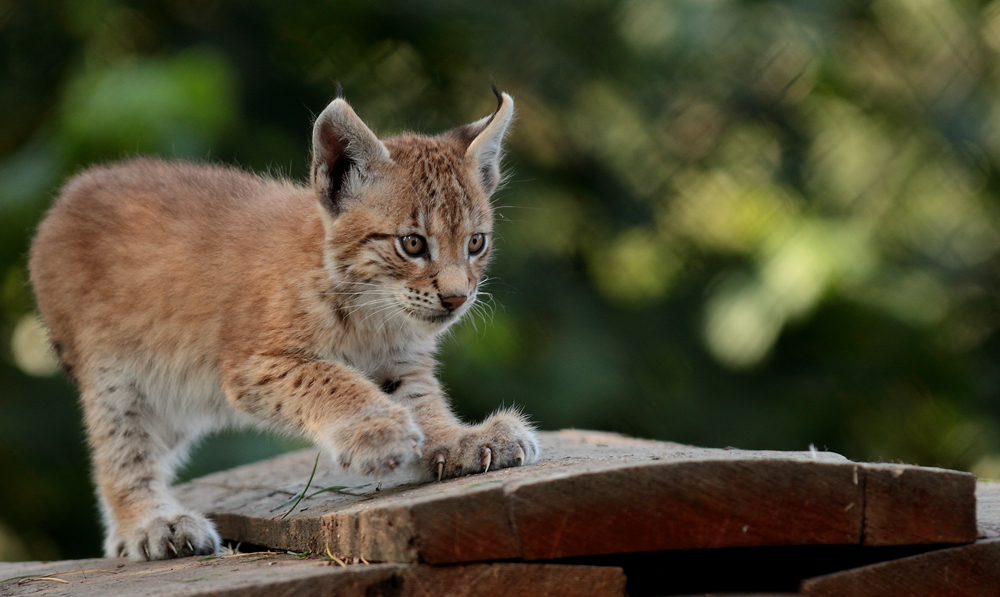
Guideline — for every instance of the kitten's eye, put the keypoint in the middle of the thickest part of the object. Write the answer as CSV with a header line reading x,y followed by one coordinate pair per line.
x,y
414,245
476,243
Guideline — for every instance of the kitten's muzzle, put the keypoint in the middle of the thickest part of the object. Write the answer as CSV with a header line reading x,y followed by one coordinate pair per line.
x,y
453,302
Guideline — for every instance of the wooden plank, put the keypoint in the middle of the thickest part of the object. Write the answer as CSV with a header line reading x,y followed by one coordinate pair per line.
x,y
967,571
988,509
264,575
910,505
591,493
695,504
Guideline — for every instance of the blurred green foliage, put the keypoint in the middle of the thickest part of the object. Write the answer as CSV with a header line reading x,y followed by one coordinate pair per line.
x,y
753,223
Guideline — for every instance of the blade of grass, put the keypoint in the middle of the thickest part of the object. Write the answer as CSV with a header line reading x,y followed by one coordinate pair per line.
x,y
32,576
16,578
336,488
25,581
333,557
303,494
285,503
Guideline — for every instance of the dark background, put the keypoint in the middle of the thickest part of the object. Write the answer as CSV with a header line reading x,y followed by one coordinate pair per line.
x,y
757,224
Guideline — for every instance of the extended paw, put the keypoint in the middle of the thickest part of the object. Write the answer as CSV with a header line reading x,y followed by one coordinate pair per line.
x,y
379,444
170,536
504,440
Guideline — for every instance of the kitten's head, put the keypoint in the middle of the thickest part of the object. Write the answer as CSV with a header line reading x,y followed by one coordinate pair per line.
x,y
409,224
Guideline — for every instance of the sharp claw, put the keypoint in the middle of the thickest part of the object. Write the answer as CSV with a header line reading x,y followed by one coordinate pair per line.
x,y
189,546
171,547
486,459
519,456
416,448
440,465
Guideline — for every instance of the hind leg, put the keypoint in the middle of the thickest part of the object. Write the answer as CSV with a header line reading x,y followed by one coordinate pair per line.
x,y
135,453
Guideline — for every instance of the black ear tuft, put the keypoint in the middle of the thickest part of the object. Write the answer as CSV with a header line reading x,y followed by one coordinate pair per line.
x,y
467,134
484,140
497,93
340,91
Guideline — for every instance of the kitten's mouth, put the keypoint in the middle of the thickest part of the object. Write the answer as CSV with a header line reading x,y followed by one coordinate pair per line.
x,y
438,317
432,317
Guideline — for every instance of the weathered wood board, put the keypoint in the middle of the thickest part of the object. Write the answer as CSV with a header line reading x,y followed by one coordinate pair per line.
x,y
907,505
593,493
966,570
988,510
266,575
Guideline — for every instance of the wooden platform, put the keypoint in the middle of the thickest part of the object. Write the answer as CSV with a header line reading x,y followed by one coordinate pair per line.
x,y
595,493
597,511
267,575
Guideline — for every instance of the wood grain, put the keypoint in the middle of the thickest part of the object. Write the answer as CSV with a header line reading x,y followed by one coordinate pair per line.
x,y
592,493
687,505
909,505
257,575
967,571
988,509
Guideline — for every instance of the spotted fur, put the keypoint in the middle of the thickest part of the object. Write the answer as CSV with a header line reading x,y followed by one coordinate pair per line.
x,y
185,298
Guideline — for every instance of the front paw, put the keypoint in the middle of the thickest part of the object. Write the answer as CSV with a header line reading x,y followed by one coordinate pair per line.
x,y
504,440
168,536
379,442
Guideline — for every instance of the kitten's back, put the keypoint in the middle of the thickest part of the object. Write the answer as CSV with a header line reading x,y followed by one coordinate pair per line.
x,y
155,252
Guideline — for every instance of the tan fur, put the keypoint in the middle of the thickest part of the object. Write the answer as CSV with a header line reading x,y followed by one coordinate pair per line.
x,y
183,298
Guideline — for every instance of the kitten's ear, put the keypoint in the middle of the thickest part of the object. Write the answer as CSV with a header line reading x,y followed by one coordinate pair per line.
x,y
484,141
345,153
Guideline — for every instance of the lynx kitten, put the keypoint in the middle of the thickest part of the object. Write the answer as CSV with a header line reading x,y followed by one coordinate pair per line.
x,y
184,298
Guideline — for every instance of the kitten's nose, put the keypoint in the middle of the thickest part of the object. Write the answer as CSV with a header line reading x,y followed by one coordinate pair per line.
x,y
453,302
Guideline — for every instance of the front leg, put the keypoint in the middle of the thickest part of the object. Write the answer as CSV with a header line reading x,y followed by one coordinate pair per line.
x,y
505,439
340,408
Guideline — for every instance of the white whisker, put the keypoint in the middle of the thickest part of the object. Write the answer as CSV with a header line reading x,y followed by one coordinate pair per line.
x,y
372,303
380,310
398,312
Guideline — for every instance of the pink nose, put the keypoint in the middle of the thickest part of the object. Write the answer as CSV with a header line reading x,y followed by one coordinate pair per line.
x,y
453,302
